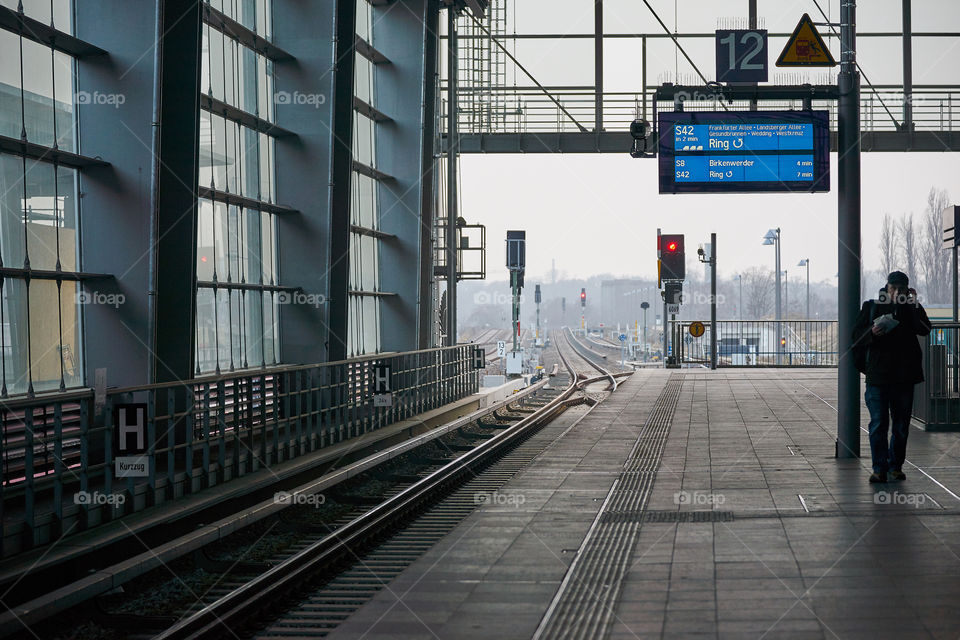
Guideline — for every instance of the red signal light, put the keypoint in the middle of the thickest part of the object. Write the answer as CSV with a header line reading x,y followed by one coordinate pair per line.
x,y
672,246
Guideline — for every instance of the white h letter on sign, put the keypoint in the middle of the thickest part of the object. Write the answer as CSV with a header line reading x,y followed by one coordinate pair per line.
x,y
125,428
381,378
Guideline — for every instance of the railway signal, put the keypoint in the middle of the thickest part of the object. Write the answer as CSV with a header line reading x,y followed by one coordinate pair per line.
x,y
672,257
516,264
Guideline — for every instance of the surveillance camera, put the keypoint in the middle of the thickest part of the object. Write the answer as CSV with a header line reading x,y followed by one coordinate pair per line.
x,y
639,129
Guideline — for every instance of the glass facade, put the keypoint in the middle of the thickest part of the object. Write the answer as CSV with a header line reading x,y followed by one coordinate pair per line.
x,y
237,282
40,298
364,320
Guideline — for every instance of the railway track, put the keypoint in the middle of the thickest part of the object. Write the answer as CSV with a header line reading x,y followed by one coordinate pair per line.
x,y
310,592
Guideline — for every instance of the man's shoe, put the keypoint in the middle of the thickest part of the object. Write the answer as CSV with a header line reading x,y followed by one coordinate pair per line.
x,y
878,477
898,475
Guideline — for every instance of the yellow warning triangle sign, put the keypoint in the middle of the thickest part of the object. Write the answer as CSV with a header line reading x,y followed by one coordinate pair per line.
x,y
806,48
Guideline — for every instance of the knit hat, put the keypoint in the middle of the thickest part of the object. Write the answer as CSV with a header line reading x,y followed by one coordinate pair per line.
x,y
898,278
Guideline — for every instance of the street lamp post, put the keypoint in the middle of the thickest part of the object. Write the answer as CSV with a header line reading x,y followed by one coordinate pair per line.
x,y
786,293
772,237
740,282
806,263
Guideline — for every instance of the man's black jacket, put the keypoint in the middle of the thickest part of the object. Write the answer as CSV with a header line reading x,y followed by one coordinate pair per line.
x,y
894,357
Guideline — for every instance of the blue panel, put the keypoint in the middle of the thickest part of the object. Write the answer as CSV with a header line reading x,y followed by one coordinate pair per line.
x,y
744,151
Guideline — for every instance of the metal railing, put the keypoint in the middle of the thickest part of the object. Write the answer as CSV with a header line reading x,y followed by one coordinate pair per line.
x,y
528,110
936,401
58,450
759,343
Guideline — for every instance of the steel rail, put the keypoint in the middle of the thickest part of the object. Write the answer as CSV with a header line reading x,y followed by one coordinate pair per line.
x,y
236,606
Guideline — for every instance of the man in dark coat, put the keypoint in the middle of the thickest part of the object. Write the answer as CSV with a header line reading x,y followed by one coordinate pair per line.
x,y
893,366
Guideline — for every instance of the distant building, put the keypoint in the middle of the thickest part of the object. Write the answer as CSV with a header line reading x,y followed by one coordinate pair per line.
x,y
620,301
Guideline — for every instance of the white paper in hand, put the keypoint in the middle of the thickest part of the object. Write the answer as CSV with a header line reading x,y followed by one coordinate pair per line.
x,y
886,323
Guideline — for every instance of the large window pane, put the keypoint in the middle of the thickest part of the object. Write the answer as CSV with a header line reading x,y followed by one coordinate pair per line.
x,y
63,71
42,213
15,337
206,331
45,346
69,218
12,236
253,327
10,116
70,334
205,251
38,92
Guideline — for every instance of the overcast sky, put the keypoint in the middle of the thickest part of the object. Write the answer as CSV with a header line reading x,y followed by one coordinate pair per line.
x,y
599,213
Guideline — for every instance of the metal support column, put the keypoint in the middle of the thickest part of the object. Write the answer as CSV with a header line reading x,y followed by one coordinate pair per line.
x,y
174,219
341,171
515,324
663,324
453,137
752,13
428,165
779,327
598,65
713,300
848,233
907,67
954,293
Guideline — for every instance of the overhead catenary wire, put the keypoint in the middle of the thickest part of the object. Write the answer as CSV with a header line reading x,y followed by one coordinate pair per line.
x,y
676,42
859,68
529,75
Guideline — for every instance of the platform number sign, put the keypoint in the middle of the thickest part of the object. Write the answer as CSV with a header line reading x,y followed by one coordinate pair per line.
x,y
741,55
130,444
479,358
382,385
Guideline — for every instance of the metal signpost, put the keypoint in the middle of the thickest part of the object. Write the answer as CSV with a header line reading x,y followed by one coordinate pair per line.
x,y
516,263
951,216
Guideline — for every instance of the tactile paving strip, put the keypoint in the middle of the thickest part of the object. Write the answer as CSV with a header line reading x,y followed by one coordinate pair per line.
x,y
584,604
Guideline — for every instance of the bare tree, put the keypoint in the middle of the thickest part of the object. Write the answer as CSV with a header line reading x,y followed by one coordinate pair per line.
x,y
934,261
907,244
758,293
888,244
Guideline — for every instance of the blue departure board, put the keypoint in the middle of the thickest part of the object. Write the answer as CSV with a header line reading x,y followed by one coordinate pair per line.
x,y
738,151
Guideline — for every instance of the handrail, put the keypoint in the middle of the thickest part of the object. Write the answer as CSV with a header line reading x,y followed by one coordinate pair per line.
x,y
21,400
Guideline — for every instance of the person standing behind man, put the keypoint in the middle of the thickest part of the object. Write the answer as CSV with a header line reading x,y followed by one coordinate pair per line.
x,y
888,352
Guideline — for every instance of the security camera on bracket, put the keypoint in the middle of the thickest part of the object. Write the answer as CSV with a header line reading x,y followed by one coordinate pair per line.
x,y
642,134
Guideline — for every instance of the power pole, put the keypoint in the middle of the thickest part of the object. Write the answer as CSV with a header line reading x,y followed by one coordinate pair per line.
x,y
713,300
453,144
848,234
536,299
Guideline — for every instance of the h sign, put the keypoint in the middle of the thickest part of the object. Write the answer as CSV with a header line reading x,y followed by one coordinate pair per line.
x,y
130,429
381,378
479,358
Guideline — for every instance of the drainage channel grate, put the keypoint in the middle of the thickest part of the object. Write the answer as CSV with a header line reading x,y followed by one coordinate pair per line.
x,y
584,604
688,516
